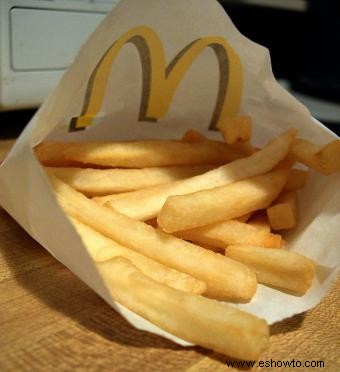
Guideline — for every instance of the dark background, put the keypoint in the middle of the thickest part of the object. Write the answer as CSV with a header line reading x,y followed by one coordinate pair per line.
x,y
304,46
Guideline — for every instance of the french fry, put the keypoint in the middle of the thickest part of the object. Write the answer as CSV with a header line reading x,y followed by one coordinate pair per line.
x,y
236,129
94,182
225,233
283,213
324,159
135,154
224,277
192,317
244,218
222,203
146,204
260,221
211,248
101,248
276,267
245,147
193,136
296,180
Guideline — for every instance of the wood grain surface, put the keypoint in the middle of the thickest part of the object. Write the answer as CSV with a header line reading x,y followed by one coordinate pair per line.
x,y
51,321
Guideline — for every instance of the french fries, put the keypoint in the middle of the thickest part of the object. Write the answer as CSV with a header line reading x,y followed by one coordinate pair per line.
x,y
96,182
225,233
101,249
283,213
135,154
146,204
276,267
236,129
244,218
221,221
296,180
260,221
194,318
211,248
244,147
324,159
222,203
193,136
224,278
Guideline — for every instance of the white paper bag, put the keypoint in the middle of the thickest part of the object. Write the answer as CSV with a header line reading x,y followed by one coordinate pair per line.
x,y
122,86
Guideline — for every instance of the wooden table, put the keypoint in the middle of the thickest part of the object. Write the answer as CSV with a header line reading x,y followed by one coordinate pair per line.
x,y
51,321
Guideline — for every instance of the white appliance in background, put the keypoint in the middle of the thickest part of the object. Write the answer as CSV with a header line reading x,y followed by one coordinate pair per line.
x,y
38,41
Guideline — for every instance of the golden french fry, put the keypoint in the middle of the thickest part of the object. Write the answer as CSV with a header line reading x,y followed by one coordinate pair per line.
x,y
101,248
211,248
135,154
92,182
276,267
296,180
193,136
245,147
146,204
192,317
284,211
224,277
229,232
324,159
287,162
222,203
260,221
244,218
236,129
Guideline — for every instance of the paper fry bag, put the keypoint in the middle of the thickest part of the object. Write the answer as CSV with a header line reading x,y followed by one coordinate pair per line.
x,y
153,70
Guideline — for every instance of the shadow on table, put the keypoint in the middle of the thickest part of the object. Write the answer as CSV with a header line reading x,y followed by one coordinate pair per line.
x,y
59,289
287,325
43,277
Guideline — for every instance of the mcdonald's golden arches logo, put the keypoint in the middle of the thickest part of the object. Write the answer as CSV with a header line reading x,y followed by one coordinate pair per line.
x,y
160,80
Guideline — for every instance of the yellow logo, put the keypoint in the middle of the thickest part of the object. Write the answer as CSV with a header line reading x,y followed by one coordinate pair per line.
x,y
160,81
